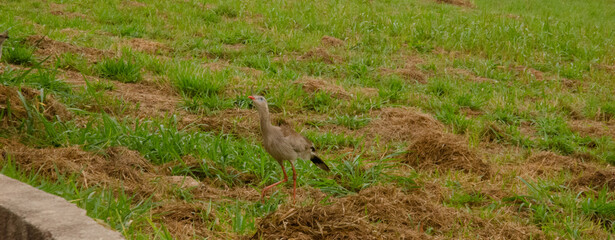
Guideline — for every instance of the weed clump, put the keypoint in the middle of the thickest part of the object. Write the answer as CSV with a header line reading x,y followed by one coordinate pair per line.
x,y
199,84
20,55
120,69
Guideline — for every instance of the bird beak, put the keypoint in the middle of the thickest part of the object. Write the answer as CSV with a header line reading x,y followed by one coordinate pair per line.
x,y
250,97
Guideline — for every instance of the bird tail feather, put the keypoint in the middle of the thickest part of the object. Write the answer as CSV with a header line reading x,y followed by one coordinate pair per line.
x,y
316,160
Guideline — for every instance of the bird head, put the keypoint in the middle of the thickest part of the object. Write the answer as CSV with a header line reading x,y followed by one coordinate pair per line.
x,y
259,101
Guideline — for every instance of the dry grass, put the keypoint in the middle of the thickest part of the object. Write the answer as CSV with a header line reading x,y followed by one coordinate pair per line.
x,y
49,47
384,212
14,110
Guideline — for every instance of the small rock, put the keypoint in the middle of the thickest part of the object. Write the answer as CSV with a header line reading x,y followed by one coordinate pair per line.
x,y
184,181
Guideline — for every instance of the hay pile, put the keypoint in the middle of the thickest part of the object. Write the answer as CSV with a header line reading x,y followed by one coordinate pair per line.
x,y
186,220
321,54
384,212
312,85
445,151
587,175
401,124
121,167
596,180
430,146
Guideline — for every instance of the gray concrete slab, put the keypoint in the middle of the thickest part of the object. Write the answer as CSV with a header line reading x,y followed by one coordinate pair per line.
x,y
28,213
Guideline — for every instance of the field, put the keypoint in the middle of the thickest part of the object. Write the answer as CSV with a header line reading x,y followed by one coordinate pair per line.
x,y
440,119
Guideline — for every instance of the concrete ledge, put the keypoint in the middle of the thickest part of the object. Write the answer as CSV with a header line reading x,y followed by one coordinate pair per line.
x,y
29,213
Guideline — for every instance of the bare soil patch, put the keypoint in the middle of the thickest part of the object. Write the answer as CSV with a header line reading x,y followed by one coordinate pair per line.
x,y
461,3
49,47
384,212
332,41
14,111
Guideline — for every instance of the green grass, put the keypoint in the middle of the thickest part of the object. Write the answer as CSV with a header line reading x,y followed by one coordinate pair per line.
x,y
120,69
351,122
72,61
478,84
18,54
199,84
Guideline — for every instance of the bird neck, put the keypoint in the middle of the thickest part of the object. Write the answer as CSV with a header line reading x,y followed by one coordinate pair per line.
x,y
265,122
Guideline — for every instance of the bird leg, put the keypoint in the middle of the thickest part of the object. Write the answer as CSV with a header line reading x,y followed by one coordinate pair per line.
x,y
294,180
275,184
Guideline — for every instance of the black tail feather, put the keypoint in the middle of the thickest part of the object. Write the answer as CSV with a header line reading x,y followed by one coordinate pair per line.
x,y
316,160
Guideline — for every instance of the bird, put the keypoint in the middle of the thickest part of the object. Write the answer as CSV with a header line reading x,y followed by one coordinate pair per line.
x,y
284,144
3,36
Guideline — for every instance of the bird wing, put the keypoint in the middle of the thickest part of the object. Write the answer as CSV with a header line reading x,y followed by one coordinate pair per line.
x,y
298,142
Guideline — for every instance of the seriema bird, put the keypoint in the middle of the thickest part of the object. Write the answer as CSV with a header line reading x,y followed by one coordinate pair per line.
x,y
284,144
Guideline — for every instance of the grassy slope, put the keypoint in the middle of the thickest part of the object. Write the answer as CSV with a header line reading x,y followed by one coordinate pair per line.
x,y
542,68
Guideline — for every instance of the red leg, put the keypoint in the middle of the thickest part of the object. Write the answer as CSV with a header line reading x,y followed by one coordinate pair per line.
x,y
294,180
275,184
